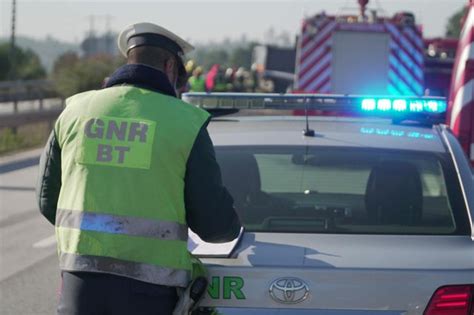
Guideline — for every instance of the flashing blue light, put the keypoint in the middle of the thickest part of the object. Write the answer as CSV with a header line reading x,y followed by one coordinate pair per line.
x,y
403,106
368,104
400,105
435,106
443,107
384,105
431,106
416,106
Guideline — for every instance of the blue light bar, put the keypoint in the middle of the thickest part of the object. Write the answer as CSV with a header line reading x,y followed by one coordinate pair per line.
x,y
399,108
435,106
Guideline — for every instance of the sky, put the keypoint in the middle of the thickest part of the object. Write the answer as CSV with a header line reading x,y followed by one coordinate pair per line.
x,y
201,21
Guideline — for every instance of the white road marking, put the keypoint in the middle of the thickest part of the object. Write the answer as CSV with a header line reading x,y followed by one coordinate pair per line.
x,y
46,242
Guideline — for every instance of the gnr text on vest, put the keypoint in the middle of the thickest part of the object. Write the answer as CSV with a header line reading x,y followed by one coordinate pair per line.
x,y
124,131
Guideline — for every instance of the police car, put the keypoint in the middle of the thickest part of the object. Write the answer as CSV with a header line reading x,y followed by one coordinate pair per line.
x,y
350,205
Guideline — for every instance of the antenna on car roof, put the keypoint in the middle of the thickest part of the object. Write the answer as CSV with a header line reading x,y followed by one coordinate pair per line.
x,y
307,132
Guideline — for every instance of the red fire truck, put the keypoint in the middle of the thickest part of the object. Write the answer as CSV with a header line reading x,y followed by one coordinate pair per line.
x,y
360,54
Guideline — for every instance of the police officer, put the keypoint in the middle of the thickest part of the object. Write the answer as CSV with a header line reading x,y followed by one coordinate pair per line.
x,y
126,170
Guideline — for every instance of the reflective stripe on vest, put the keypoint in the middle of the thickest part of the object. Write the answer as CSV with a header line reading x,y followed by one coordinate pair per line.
x,y
126,253
118,224
139,271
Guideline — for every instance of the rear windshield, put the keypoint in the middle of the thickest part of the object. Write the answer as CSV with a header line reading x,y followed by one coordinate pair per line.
x,y
350,190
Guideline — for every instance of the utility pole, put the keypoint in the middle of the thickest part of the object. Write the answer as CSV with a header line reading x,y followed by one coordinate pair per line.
x,y
99,42
90,43
12,43
109,42
91,25
107,18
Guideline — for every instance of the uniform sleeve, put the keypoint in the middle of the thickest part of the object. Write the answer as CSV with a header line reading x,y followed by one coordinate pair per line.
x,y
49,179
209,206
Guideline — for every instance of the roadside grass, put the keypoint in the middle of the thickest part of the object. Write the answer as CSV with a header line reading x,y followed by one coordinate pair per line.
x,y
25,137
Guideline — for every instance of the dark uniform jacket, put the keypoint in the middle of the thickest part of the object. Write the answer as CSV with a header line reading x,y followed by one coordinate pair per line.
x,y
209,206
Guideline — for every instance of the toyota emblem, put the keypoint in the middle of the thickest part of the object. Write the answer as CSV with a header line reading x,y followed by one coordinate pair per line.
x,y
289,290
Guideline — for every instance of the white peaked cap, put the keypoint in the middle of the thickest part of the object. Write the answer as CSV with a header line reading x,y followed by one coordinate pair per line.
x,y
164,39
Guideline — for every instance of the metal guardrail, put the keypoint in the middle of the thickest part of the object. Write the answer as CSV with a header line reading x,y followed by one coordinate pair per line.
x,y
30,117
14,93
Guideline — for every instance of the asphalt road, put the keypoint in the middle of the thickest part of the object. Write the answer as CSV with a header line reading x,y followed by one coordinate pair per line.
x,y
29,274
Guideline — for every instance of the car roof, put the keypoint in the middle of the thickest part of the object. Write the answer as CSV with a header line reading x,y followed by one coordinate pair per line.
x,y
330,131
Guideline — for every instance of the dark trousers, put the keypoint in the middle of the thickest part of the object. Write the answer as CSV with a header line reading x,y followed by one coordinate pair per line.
x,y
96,293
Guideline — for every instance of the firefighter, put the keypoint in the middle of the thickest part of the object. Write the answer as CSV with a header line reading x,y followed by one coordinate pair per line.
x,y
229,77
197,82
189,67
239,82
210,77
220,84
125,171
